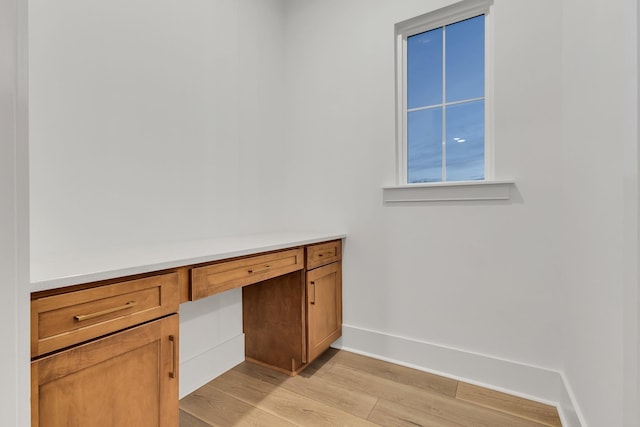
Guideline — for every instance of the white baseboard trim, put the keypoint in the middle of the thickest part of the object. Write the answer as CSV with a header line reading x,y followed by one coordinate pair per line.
x,y
531,382
199,370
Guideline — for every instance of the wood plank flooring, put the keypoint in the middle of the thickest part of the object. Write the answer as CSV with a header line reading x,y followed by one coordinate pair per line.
x,y
346,389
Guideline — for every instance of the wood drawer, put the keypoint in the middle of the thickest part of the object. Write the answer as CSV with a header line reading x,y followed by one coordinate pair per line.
x,y
63,320
212,279
323,253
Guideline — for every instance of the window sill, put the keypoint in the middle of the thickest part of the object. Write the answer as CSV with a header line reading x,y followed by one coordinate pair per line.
x,y
448,191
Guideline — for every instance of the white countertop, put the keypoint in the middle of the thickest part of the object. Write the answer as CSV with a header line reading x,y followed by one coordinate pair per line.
x,y
73,269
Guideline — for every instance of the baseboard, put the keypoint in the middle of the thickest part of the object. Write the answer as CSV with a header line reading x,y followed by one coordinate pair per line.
x,y
199,370
531,382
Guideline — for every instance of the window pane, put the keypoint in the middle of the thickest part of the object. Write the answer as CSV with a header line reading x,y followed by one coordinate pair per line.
x,y
424,69
465,141
424,146
465,59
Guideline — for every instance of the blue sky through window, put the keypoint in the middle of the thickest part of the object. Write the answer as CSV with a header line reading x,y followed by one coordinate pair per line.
x,y
445,102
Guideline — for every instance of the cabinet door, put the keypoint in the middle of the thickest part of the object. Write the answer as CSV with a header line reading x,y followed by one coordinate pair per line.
x,y
126,379
324,307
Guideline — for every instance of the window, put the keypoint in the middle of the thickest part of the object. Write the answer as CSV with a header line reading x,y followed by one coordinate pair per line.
x,y
442,100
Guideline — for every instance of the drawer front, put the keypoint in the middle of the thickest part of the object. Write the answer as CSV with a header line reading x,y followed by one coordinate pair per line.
x,y
67,319
323,253
215,278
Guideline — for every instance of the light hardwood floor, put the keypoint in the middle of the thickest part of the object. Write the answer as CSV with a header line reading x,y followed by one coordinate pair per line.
x,y
346,389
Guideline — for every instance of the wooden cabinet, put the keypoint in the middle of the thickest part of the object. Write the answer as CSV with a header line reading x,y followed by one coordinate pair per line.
x,y
126,379
110,371
105,354
290,320
324,307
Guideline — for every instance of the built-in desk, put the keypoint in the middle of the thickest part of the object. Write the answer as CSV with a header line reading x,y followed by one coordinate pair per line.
x,y
104,327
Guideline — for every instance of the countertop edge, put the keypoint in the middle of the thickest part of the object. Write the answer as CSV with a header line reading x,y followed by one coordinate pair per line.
x,y
98,274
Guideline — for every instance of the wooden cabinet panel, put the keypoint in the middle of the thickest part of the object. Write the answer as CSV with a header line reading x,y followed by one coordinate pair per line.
x,y
126,379
212,279
324,308
323,253
63,320
274,322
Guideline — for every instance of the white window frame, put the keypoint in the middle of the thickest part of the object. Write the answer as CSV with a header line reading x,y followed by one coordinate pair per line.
x,y
448,15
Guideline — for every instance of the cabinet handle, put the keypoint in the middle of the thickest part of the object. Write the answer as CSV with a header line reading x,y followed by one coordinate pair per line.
x,y
266,267
312,283
81,317
174,357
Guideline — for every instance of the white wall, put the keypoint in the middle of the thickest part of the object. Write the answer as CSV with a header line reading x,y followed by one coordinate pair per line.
x,y
140,111
600,178
14,276
157,121
481,277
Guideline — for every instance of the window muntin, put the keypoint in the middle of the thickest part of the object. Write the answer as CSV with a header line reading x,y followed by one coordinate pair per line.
x,y
444,101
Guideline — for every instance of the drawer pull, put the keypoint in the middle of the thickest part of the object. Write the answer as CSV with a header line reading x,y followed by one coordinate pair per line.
x,y
81,317
266,267
314,293
174,356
